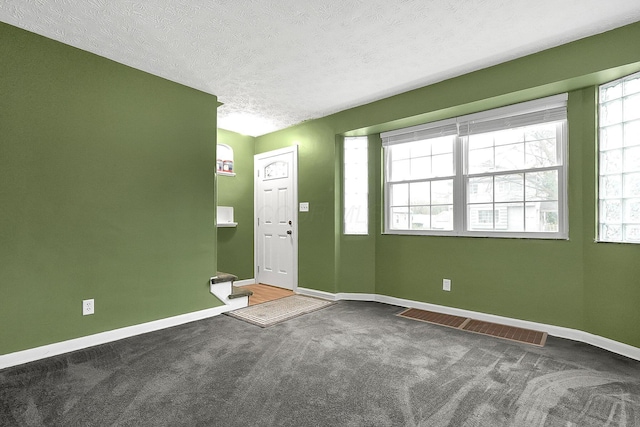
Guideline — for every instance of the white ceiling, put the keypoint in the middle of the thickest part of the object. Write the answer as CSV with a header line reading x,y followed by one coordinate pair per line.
x,y
276,63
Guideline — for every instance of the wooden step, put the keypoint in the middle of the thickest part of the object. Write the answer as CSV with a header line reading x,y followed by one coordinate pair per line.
x,y
238,292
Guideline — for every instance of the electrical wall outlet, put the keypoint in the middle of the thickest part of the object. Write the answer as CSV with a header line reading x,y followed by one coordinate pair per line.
x,y
446,285
87,307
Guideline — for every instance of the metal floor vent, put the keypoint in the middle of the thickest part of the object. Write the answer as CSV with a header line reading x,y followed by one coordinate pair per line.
x,y
511,333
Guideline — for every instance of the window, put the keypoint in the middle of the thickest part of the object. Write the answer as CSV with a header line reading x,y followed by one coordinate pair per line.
x,y
421,185
619,164
495,173
356,186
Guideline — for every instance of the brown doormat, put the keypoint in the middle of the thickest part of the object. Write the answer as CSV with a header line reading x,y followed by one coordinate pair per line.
x,y
511,333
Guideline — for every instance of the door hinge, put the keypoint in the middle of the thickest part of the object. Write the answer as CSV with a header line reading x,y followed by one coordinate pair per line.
x,y
258,269
258,221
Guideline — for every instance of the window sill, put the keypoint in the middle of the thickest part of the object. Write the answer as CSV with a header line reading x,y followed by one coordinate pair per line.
x,y
536,236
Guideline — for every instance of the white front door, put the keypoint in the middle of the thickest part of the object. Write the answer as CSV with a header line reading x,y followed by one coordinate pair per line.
x,y
276,219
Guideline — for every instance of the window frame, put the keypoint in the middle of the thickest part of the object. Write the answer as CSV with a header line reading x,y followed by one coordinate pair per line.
x,y
461,177
601,198
365,179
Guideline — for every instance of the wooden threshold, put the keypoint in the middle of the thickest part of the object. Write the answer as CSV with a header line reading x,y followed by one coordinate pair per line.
x,y
263,293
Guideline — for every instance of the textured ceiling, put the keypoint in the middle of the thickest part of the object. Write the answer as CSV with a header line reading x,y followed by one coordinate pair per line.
x,y
277,63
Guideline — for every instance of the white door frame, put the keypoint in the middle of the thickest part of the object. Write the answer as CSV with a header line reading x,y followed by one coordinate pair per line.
x,y
294,237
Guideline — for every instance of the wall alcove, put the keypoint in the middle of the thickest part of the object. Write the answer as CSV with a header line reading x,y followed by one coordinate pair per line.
x,y
224,160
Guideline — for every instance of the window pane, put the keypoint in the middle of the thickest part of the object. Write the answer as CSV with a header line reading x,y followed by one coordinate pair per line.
x,y
632,210
509,136
631,85
442,217
510,216
611,161
611,137
632,233
542,217
550,215
420,193
509,188
482,140
442,145
632,133
421,218
420,148
355,186
401,151
611,186
632,159
611,211
510,157
400,170
442,192
611,232
399,218
399,194
480,190
480,160
611,113
356,214
631,185
541,153
480,217
443,165
631,108
420,168
611,92
542,185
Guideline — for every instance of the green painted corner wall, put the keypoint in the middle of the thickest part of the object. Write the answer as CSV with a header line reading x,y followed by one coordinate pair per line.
x,y
107,190
235,245
573,283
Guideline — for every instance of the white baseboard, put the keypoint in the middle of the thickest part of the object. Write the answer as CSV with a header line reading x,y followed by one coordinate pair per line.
x,y
244,282
556,331
317,294
220,290
33,354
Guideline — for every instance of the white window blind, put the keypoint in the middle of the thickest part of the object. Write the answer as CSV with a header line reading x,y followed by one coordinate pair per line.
x,y
420,132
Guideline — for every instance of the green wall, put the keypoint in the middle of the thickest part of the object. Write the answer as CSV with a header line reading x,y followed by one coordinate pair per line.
x,y
574,283
107,192
235,245
317,232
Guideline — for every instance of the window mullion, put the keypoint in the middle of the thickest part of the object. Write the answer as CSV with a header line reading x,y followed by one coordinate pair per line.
x,y
459,186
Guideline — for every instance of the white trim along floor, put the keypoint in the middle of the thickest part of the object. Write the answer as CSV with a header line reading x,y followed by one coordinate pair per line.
x,y
30,355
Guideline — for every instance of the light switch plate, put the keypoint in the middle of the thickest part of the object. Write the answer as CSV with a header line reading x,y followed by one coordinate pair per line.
x,y
304,206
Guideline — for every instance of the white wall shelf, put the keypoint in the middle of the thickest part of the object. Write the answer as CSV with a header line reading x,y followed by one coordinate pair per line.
x,y
227,224
224,217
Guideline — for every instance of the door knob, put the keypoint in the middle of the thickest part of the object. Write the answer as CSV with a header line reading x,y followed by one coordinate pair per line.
x,y
289,232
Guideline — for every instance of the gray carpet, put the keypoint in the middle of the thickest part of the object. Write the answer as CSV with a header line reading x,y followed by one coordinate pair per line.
x,y
351,364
